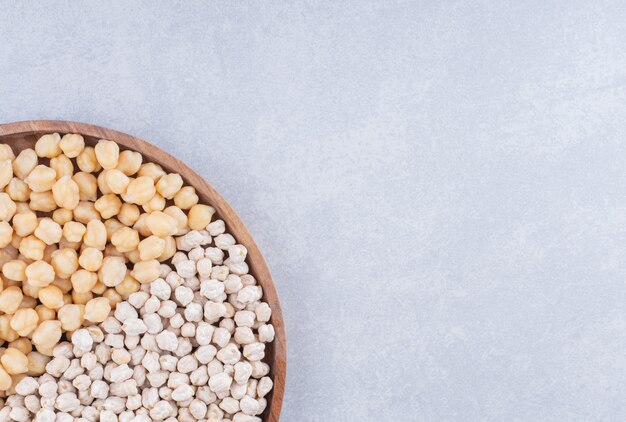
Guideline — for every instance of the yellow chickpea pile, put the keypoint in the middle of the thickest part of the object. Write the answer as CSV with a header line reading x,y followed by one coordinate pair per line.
x,y
80,229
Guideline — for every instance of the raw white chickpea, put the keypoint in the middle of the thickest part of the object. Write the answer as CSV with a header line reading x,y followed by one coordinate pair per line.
x,y
112,296
73,231
107,153
49,231
47,333
51,297
87,161
151,170
113,271
91,259
81,298
6,173
96,310
18,190
6,234
128,286
24,321
7,207
41,178
32,248
108,205
128,215
157,203
65,262
161,224
186,198
169,185
14,361
6,332
48,146
10,299
125,239
24,163
62,166
22,344
139,191
83,280
62,216
66,193
146,271
40,274
169,250
141,226
6,153
112,225
129,162
151,248
42,201
15,269
95,235
117,181
87,186
71,316
72,145
44,313
86,212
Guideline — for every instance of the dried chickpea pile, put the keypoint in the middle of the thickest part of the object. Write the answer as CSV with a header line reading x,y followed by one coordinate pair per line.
x,y
118,301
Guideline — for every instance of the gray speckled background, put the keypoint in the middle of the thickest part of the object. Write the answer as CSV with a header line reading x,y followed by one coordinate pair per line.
x,y
438,188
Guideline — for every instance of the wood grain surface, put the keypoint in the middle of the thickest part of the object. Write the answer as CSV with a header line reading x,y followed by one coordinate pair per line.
x,y
24,135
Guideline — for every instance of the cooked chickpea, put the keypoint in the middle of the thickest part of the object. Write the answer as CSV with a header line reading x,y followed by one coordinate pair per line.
x,y
22,344
24,321
6,173
40,274
95,235
117,181
157,203
97,310
151,170
7,207
103,187
5,379
48,146
200,216
18,190
36,364
42,201
113,271
128,215
30,290
6,152
41,178
146,271
14,361
107,153
66,193
87,161
51,297
10,299
15,270
62,216
73,231
161,224
6,332
128,286
83,280
6,234
32,248
87,186
65,262
71,316
141,226
62,166
108,205
186,198
139,191
81,298
169,185
99,288
112,225
24,163
129,162
49,231
86,212
28,302
47,333
64,284
112,296
91,259
133,256
125,239
169,250
45,313
72,145
151,248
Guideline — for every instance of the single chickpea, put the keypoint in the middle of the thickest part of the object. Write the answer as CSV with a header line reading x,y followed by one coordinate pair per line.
x,y
37,364
49,231
73,231
99,288
7,207
139,191
46,349
161,224
169,185
91,259
5,379
128,286
86,212
51,297
62,166
65,262
200,216
169,250
15,269
48,146
107,153
62,216
63,283
14,361
97,310
47,333
151,248
102,184
146,271
42,201
44,313
128,215
141,226
66,193
157,203
108,205
96,234
22,344
41,178
71,316
133,256
6,234
113,271
87,186
10,299
32,248
87,161
6,152
24,163
151,170
18,190
182,222
186,198
6,173
24,321
83,280
117,181
6,332
81,298
72,145
129,162
112,296
40,274
125,239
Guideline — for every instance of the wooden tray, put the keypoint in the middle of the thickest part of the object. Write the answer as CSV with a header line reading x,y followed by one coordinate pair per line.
x,y
24,135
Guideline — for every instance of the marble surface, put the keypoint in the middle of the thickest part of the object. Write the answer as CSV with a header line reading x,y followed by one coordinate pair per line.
x,y
438,187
